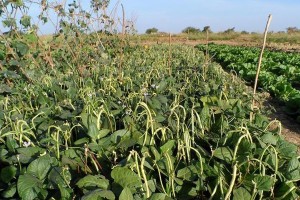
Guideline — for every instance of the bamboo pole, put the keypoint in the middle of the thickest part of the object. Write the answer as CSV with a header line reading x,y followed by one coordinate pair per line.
x,y
170,55
259,65
123,20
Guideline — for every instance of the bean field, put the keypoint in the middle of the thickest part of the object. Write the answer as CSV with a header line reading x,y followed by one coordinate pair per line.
x,y
92,115
151,122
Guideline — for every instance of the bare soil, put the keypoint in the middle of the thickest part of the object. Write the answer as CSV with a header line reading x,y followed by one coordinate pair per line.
x,y
290,127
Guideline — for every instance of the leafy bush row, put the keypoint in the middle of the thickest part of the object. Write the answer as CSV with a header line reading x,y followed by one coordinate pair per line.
x,y
280,72
141,123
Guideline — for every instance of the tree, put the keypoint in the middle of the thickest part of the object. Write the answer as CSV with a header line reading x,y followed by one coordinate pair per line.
x,y
291,30
206,29
230,30
191,30
151,30
245,32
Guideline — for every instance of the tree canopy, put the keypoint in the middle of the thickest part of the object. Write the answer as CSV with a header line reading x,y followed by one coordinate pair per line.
x,y
151,30
191,29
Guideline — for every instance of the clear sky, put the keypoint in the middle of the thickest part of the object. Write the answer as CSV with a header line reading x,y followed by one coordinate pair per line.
x,y
175,15
250,15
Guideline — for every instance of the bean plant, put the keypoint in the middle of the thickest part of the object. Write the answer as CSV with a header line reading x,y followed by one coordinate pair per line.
x,y
100,117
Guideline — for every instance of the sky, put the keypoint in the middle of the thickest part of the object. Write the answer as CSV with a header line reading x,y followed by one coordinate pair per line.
x,y
249,15
175,15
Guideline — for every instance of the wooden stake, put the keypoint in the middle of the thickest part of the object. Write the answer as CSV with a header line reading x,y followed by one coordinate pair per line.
x,y
259,64
170,55
205,66
123,22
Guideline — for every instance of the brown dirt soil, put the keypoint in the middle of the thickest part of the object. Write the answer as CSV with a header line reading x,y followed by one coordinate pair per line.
x,y
290,127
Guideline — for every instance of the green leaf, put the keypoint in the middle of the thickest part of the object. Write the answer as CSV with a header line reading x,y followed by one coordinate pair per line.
x,y
10,74
244,150
99,194
3,153
5,89
103,133
9,22
293,169
10,191
117,135
269,138
66,114
59,177
82,141
25,155
21,48
224,153
126,178
159,118
31,37
126,142
8,173
29,186
188,173
25,21
65,193
168,146
2,55
283,191
158,196
151,185
271,159
286,149
93,131
93,181
155,103
40,167
155,153
264,183
162,86
126,194
84,117
11,143
162,99
241,194
18,3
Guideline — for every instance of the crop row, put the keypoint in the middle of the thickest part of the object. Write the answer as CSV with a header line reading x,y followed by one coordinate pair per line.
x,y
280,72
141,123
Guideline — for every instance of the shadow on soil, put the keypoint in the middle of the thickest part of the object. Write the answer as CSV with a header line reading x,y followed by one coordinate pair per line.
x,y
290,127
